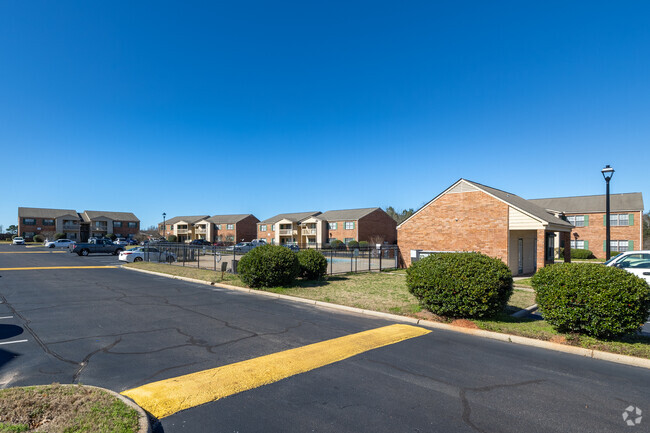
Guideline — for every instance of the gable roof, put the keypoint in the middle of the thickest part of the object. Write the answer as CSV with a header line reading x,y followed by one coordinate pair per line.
x,y
511,199
188,219
632,201
89,215
346,214
293,217
228,219
36,212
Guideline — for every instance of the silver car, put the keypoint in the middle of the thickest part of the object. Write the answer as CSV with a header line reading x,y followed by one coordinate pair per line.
x,y
635,262
150,254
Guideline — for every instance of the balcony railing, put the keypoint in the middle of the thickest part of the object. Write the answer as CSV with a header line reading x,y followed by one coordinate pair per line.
x,y
309,232
286,232
70,226
200,231
182,231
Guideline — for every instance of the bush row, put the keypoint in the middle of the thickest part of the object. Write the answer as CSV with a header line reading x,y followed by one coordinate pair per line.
x,y
275,265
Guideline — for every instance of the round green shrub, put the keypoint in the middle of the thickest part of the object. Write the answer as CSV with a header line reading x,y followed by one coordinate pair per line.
x,y
38,238
111,236
578,254
58,236
269,266
353,244
172,238
590,298
313,264
460,284
363,244
337,244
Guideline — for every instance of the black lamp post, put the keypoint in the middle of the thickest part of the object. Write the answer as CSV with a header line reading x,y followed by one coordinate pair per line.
x,y
607,172
164,226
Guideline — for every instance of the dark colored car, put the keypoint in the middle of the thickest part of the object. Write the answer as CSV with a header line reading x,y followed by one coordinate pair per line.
x,y
293,247
132,242
200,242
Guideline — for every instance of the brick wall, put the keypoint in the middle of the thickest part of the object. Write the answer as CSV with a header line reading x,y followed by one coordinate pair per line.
x,y
378,223
341,233
595,232
247,229
469,221
268,235
125,230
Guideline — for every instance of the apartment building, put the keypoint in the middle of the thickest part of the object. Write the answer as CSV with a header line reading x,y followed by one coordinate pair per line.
x,y
286,228
76,226
588,216
469,216
216,228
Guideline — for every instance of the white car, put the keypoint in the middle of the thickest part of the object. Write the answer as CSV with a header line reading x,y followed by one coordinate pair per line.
x,y
151,254
18,241
636,262
59,243
121,241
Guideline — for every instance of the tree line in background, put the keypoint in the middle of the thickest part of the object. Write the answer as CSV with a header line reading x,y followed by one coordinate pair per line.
x,y
399,216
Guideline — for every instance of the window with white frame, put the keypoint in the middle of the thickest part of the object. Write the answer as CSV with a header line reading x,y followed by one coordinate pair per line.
x,y
349,225
578,220
272,227
578,245
263,227
619,219
332,226
619,246
230,227
218,226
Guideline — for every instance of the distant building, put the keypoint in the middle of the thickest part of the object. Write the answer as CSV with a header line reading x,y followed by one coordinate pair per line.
x,y
218,228
74,225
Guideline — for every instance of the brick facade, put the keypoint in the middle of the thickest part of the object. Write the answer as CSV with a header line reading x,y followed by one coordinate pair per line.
x,y
378,224
468,221
595,232
246,229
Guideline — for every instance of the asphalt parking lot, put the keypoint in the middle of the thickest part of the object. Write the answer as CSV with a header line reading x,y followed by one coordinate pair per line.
x,y
123,330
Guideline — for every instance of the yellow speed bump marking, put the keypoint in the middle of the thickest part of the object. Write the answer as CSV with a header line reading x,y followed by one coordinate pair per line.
x,y
166,397
56,267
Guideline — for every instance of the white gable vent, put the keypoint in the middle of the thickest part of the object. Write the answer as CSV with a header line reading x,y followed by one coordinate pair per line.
x,y
462,187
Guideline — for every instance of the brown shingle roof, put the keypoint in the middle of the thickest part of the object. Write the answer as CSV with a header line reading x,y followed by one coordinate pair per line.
x,y
36,212
632,201
294,217
228,219
89,215
346,214
189,219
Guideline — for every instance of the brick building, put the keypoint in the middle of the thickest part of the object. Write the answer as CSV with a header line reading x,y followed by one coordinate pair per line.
x,y
587,214
218,228
75,226
469,216
315,228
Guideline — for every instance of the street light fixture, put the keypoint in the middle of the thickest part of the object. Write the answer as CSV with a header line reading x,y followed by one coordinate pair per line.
x,y
607,172
164,226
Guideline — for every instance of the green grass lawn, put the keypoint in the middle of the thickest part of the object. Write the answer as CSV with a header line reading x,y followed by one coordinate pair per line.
x,y
387,292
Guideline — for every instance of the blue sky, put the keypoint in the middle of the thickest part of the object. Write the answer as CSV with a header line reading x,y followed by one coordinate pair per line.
x,y
270,107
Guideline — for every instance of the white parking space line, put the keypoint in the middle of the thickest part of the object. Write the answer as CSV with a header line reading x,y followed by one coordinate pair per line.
x,y
12,342
7,317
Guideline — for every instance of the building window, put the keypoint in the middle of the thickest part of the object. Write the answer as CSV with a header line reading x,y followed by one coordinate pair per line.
x,y
29,221
28,234
349,225
230,227
117,223
272,227
230,238
218,226
332,226
579,245
48,222
579,220
133,225
620,220
263,227
619,246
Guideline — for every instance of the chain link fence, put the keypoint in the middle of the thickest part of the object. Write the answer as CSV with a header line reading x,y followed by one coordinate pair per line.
x,y
222,258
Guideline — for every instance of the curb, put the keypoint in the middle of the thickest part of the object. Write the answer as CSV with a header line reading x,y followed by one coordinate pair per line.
x,y
509,338
143,419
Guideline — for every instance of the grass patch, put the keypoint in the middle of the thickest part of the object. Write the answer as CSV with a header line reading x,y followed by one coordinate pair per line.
x,y
57,408
521,299
188,272
526,282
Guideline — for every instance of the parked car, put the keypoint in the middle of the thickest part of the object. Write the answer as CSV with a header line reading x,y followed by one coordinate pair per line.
x,y
152,254
59,243
200,242
635,262
242,247
18,241
97,246
120,241
131,241
292,247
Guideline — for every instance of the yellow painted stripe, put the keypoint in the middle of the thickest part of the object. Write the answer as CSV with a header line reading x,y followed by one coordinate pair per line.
x,y
32,252
57,267
166,397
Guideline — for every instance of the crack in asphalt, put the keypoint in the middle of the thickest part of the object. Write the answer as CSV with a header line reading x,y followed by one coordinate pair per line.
x,y
462,391
86,360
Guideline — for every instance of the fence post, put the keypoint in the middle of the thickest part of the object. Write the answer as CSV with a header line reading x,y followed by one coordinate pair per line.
x,y
369,266
184,255
331,262
214,257
380,257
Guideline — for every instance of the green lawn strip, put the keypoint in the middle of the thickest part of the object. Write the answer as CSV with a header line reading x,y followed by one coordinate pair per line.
x,y
521,299
633,345
523,282
64,409
189,272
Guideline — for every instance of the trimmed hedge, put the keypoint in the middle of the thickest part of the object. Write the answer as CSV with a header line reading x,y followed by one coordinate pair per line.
x,y
269,266
353,244
593,299
460,284
38,238
337,245
364,244
313,264
579,254
172,238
